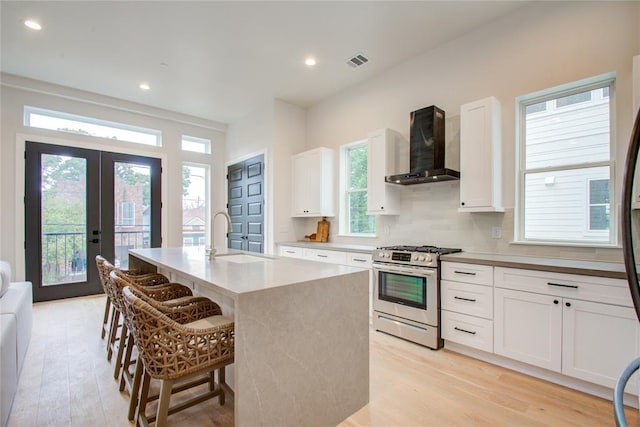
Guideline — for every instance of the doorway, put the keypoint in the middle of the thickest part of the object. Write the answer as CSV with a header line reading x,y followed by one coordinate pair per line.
x,y
80,203
245,187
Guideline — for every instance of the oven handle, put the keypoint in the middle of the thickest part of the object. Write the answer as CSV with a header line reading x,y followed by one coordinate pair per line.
x,y
422,272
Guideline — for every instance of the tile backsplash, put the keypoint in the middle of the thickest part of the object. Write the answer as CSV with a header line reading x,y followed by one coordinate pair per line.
x,y
430,216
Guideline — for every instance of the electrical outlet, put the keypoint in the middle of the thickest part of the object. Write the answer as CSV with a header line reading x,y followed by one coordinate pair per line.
x,y
496,232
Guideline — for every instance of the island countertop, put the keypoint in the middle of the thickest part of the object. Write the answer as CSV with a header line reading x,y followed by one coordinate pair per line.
x,y
234,272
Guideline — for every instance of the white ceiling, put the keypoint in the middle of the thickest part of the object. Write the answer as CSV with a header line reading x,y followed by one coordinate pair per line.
x,y
221,60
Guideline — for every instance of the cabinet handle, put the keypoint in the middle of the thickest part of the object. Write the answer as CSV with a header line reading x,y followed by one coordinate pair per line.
x,y
464,330
359,259
568,304
562,285
465,299
555,301
462,203
322,256
464,272
290,252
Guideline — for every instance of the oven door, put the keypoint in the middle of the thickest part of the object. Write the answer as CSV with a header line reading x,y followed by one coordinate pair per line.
x,y
407,292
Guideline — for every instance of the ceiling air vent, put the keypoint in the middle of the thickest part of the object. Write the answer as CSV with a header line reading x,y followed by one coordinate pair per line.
x,y
357,60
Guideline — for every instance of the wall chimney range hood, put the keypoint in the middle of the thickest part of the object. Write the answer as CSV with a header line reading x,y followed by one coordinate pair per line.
x,y
426,147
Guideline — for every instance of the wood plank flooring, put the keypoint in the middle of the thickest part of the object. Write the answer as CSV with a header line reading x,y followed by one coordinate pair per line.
x,y
66,381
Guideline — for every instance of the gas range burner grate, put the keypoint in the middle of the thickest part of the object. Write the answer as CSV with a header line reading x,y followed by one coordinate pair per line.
x,y
424,249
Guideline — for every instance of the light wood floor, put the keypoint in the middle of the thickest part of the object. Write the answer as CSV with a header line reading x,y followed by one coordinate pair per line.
x,y
66,381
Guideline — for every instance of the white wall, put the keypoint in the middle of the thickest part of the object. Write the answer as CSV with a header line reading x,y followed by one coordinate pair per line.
x,y
537,47
16,92
276,129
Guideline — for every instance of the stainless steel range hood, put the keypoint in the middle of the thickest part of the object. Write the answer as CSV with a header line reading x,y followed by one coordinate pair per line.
x,y
426,146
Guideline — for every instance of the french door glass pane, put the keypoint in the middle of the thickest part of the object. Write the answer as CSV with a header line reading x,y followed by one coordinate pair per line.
x,y
63,219
132,210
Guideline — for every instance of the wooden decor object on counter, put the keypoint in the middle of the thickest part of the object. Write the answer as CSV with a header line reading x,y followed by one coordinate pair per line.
x,y
322,235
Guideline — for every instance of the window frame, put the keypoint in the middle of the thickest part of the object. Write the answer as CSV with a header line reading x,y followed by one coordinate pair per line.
x,y
551,94
28,110
345,191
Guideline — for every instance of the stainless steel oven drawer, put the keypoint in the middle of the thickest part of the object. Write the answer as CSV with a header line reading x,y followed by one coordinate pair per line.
x,y
406,329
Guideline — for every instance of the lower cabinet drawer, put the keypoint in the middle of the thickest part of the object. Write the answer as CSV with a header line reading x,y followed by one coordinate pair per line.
x,y
465,298
359,260
468,330
334,257
291,251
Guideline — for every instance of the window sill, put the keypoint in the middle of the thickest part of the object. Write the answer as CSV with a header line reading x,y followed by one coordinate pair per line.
x,y
567,244
368,236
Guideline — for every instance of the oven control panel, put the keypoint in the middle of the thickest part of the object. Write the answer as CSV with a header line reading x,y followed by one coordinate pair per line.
x,y
406,258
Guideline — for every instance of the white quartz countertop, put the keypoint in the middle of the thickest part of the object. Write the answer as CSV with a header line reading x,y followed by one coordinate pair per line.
x,y
235,272
569,266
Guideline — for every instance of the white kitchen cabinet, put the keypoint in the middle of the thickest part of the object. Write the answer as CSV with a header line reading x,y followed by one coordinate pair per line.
x,y
599,340
480,156
581,326
467,304
312,183
291,251
332,257
387,155
528,328
471,331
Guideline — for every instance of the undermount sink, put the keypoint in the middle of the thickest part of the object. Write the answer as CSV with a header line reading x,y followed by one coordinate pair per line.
x,y
241,258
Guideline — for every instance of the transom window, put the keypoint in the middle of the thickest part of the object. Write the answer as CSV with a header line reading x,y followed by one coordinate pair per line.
x,y
90,126
354,218
197,145
565,165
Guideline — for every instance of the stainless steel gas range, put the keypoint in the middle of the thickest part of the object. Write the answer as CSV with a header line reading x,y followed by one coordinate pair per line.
x,y
406,299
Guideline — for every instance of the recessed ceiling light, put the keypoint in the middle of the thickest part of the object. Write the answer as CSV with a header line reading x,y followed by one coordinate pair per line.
x,y
144,86
34,25
310,61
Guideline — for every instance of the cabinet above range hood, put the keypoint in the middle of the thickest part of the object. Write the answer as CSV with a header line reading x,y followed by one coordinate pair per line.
x,y
426,148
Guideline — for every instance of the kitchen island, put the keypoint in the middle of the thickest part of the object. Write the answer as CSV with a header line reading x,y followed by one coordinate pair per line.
x,y
301,331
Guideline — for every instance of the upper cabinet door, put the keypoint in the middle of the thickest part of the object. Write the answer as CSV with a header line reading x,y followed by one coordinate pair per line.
x,y
387,155
312,183
480,156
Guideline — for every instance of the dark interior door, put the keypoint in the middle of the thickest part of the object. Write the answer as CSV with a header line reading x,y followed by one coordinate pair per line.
x,y
80,203
245,186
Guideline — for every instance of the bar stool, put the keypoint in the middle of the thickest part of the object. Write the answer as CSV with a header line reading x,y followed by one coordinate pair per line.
x,y
169,350
141,276
154,284
182,309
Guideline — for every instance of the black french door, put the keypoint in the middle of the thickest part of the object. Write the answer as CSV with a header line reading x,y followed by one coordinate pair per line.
x,y
80,203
